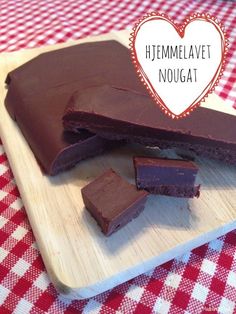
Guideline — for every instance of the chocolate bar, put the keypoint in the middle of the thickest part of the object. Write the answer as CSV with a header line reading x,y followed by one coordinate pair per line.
x,y
173,177
116,113
112,201
39,90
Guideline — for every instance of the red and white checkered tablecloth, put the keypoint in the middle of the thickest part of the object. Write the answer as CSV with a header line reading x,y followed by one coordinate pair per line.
x,y
201,281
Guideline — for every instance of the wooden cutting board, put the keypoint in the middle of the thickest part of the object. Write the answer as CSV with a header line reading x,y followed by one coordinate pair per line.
x,y
80,260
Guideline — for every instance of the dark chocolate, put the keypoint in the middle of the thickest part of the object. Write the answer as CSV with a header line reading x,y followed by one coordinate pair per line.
x,y
112,201
171,177
117,113
39,90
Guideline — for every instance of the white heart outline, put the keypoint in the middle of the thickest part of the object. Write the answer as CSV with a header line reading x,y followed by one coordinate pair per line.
x,y
180,29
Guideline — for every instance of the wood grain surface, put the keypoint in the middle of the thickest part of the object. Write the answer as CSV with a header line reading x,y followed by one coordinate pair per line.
x,y
80,260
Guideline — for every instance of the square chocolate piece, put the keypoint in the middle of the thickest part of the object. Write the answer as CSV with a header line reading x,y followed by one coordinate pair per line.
x,y
112,201
171,177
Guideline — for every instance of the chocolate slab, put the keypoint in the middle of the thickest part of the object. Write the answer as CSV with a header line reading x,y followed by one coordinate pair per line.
x,y
117,113
166,176
112,201
39,90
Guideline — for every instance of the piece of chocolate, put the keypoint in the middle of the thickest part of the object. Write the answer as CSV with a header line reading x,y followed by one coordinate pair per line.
x,y
173,177
117,113
112,201
39,90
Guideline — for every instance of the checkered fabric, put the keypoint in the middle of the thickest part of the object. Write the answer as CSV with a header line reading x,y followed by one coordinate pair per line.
x,y
201,281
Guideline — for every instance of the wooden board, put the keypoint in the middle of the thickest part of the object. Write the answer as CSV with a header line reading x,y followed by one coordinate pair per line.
x,y
79,259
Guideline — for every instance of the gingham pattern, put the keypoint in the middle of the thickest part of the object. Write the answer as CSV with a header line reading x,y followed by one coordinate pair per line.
x,y
201,281
31,23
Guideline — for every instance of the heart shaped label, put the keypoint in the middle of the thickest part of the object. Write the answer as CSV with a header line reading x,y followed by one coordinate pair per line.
x,y
179,64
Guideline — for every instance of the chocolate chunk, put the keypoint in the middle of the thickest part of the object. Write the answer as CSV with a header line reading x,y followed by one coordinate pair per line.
x,y
171,177
117,113
39,90
112,201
